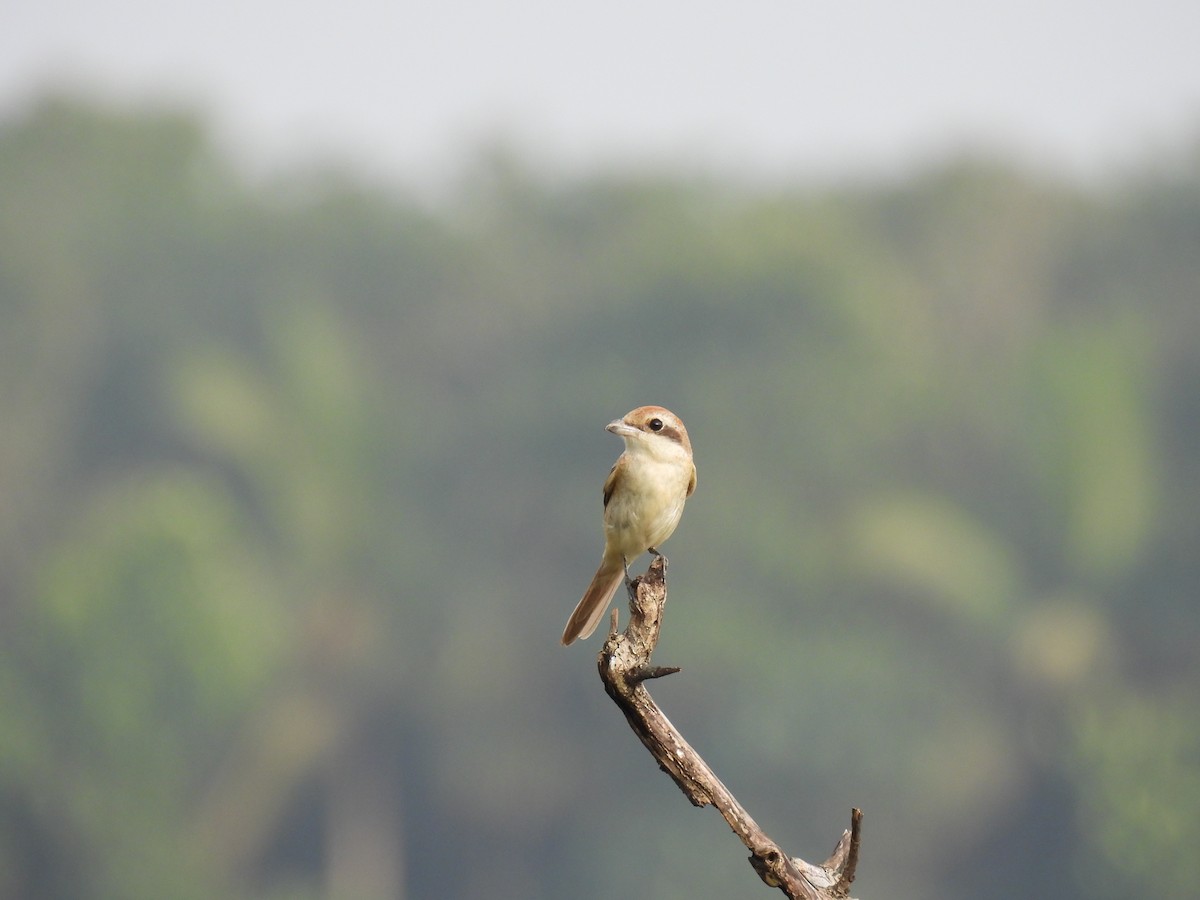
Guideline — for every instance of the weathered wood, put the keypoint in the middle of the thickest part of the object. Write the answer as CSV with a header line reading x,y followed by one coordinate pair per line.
x,y
624,664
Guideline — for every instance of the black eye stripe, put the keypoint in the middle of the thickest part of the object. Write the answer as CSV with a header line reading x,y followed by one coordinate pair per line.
x,y
672,433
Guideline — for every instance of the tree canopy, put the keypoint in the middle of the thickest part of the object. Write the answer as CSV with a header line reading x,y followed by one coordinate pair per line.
x,y
299,481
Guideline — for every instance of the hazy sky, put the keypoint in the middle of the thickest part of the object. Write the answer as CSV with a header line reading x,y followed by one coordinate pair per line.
x,y
775,86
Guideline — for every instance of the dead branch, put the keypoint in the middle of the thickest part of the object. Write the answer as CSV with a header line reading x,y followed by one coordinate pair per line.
x,y
624,664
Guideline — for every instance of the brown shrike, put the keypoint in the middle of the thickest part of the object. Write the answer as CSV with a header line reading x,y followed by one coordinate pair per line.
x,y
643,500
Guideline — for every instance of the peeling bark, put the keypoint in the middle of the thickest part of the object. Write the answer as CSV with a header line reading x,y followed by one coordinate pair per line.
x,y
624,664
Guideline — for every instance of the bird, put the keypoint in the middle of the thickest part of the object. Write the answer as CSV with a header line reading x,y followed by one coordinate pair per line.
x,y
643,500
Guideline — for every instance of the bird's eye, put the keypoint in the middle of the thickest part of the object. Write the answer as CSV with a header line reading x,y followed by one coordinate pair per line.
x,y
655,424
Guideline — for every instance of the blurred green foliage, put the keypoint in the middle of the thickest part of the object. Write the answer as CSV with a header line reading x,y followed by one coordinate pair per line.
x,y
299,480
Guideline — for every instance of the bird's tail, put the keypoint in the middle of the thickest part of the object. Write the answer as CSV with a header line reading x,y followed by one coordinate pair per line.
x,y
594,605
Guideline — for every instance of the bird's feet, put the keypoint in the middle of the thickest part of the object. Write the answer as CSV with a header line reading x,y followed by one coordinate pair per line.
x,y
628,581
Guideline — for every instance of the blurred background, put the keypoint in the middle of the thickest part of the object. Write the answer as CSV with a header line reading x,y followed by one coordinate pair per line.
x,y
310,322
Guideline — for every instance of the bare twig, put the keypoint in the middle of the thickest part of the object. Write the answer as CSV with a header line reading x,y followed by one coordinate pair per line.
x,y
624,665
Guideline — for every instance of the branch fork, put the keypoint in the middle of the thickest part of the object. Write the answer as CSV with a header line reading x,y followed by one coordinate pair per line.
x,y
624,664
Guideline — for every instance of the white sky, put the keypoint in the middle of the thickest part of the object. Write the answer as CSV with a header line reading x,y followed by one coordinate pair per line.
x,y
754,86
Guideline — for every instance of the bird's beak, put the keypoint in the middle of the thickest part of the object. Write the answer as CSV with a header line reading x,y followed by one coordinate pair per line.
x,y
618,426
